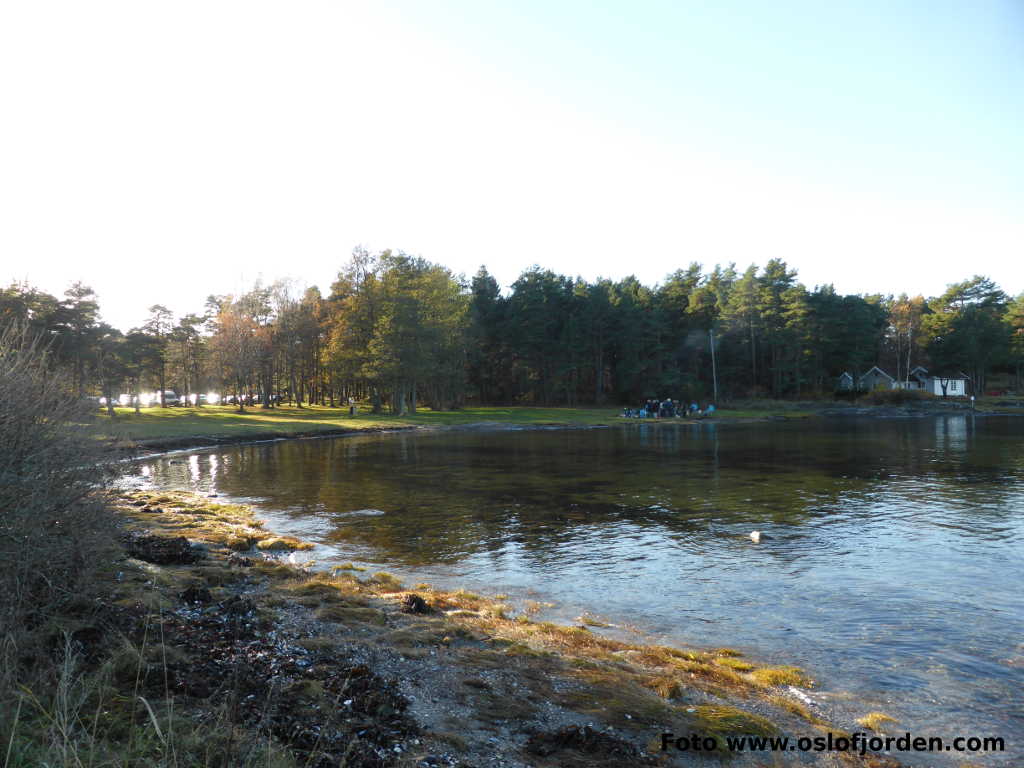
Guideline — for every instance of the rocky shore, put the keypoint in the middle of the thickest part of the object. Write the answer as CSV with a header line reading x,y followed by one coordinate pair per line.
x,y
236,644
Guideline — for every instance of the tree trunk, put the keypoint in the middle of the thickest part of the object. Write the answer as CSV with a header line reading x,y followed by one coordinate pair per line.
x,y
910,347
899,355
110,402
753,358
163,367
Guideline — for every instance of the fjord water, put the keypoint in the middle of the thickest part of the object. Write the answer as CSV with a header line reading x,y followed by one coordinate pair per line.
x,y
891,565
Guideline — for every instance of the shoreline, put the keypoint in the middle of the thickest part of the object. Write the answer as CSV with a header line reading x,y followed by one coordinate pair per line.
x,y
183,444
161,446
478,682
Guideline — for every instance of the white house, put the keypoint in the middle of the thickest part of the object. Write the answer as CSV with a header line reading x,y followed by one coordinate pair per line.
x,y
954,385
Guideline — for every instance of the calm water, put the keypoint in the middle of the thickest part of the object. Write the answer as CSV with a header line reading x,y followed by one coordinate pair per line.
x,y
892,563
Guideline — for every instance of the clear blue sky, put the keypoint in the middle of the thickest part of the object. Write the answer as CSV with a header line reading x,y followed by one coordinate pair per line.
x,y
890,99
876,145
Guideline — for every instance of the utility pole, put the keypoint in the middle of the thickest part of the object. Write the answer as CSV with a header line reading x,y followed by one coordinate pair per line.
x,y
714,372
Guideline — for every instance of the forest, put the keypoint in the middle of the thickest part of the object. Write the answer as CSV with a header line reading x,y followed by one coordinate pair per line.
x,y
399,332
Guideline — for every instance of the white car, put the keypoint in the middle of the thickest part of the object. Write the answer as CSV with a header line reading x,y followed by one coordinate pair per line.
x,y
170,398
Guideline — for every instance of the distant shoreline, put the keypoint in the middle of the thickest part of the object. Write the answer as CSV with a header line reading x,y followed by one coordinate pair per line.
x,y
293,430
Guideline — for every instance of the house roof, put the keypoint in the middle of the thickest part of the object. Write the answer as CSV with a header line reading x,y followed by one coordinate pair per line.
x,y
874,369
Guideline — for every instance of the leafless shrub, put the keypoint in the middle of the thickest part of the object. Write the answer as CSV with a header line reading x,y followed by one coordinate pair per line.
x,y
54,526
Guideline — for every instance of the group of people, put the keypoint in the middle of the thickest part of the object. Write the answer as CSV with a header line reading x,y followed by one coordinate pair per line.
x,y
667,409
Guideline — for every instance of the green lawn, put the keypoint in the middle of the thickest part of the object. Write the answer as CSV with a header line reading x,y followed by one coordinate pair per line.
x,y
224,422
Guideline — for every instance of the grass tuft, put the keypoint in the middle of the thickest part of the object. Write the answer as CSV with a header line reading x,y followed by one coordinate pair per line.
x,y
772,676
282,544
720,721
386,581
875,720
733,663
666,687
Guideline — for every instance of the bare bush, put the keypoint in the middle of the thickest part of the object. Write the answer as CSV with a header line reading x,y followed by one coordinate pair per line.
x,y
54,526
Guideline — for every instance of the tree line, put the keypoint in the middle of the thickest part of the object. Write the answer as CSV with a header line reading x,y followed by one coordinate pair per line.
x,y
399,332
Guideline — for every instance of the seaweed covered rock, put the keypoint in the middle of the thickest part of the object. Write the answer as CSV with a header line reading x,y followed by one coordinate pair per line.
x,y
413,603
325,711
598,745
161,550
196,593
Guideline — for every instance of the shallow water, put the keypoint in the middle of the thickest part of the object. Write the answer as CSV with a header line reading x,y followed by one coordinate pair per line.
x,y
891,565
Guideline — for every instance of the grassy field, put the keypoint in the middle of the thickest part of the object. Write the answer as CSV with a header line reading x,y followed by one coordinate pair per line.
x,y
225,423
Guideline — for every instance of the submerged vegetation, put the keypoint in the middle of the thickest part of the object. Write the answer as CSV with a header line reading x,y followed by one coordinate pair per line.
x,y
151,685
190,649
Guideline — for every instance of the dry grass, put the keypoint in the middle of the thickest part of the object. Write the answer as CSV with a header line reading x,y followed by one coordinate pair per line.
x,y
666,687
875,720
385,581
726,652
773,676
347,567
737,665
796,708
619,696
720,721
282,544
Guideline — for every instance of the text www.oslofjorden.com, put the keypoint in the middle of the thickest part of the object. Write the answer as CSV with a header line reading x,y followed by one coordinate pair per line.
x,y
859,743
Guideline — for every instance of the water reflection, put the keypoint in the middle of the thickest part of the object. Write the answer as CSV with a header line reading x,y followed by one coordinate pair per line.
x,y
891,559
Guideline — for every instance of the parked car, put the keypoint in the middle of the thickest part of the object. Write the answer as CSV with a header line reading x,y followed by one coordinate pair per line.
x,y
170,398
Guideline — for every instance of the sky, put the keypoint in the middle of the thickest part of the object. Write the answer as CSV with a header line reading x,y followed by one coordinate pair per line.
x,y
162,152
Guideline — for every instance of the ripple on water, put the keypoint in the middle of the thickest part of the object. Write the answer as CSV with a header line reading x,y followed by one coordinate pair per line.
x,y
890,564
